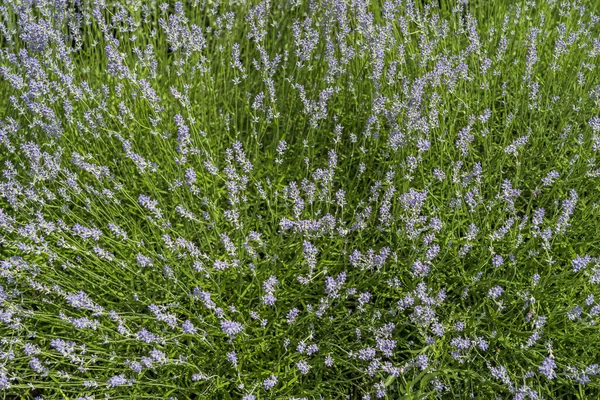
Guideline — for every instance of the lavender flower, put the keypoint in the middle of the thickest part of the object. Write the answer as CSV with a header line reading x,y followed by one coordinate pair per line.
x,y
303,367
231,328
497,261
232,357
118,380
188,327
547,368
495,292
270,382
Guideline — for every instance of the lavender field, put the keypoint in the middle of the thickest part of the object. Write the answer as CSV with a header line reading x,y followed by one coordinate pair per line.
x,y
288,199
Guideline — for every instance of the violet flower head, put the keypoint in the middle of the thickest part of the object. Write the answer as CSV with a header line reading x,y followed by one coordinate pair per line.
x,y
547,368
231,328
270,382
495,292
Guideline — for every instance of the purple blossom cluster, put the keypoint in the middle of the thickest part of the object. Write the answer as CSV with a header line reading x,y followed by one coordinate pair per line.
x,y
280,199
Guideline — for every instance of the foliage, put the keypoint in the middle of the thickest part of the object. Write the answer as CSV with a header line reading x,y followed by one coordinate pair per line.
x,y
287,199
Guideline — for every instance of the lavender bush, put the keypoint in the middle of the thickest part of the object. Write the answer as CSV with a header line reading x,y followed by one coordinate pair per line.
x,y
333,199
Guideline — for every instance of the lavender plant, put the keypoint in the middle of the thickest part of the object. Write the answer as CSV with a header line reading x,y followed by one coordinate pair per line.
x,y
222,199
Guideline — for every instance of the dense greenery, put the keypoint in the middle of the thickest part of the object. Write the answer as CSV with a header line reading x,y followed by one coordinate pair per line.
x,y
287,199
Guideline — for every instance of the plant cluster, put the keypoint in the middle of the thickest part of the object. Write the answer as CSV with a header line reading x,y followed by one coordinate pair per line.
x,y
287,199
